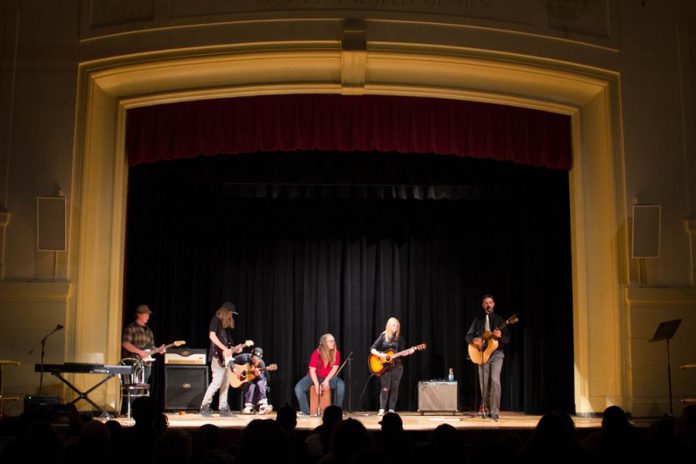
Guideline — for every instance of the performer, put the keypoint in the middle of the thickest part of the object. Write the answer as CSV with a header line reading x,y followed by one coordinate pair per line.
x,y
321,374
219,333
390,339
489,373
137,338
255,389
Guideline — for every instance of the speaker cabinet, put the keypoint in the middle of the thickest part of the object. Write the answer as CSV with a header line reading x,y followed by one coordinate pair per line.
x,y
437,396
184,387
646,231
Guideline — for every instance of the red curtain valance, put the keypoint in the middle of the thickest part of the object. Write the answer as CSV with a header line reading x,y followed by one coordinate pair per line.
x,y
348,123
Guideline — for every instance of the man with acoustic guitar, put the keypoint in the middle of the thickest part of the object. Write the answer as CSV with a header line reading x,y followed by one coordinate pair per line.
x,y
488,323
221,349
249,369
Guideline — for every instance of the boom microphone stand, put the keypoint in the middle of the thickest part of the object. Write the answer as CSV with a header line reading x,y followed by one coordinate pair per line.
x,y
347,361
43,354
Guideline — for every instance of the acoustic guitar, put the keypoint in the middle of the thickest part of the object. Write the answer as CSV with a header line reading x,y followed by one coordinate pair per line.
x,y
243,373
481,355
220,354
152,351
379,366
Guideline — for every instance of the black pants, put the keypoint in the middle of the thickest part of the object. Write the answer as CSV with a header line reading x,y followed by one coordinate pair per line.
x,y
390,387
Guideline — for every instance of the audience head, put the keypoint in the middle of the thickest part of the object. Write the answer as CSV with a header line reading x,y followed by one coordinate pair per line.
x,y
287,417
391,423
332,414
349,438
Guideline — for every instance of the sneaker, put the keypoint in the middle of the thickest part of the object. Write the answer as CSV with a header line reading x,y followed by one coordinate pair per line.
x,y
380,412
225,412
302,414
495,416
391,410
265,409
205,411
248,409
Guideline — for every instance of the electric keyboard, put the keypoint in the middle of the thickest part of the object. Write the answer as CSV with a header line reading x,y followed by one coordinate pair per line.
x,y
108,370
84,368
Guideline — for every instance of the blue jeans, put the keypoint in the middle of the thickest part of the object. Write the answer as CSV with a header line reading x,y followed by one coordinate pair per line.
x,y
255,391
305,383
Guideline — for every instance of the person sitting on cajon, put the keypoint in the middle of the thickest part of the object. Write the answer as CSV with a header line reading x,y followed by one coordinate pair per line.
x,y
321,375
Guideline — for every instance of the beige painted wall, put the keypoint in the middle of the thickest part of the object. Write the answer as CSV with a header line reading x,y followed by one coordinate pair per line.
x,y
624,71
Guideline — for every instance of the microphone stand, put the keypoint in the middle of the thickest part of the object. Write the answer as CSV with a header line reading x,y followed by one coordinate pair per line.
x,y
43,354
348,361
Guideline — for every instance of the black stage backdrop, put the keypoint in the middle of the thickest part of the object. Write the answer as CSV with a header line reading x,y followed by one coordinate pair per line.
x,y
308,243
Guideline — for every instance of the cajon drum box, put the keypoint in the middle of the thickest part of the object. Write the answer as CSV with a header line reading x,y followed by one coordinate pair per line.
x,y
318,404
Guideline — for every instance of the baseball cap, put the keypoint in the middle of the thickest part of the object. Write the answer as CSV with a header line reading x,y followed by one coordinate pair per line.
x,y
143,309
228,305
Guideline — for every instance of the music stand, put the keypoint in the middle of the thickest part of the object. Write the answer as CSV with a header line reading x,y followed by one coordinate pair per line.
x,y
665,331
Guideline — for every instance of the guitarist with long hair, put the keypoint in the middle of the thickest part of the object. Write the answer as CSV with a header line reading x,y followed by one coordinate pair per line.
x,y
489,372
390,339
219,333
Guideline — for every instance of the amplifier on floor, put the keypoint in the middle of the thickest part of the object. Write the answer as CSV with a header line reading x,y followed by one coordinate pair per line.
x,y
437,396
186,356
184,387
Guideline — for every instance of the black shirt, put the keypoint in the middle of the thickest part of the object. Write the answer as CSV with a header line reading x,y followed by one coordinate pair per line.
x,y
477,327
224,335
381,344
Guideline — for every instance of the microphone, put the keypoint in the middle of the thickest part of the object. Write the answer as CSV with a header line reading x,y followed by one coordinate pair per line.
x,y
59,327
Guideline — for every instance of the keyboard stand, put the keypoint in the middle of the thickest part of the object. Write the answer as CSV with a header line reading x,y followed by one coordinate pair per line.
x,y
85,395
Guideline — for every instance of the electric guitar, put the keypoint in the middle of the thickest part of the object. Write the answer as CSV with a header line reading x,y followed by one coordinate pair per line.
x,y
152,351
243,373
220,355
481,355
379,365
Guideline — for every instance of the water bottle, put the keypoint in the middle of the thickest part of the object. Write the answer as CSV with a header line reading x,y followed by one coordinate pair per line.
x,y
450,376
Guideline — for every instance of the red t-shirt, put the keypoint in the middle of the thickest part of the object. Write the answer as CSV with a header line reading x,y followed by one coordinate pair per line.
x,y
322,370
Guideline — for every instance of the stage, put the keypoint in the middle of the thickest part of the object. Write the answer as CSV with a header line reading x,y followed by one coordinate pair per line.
x,y
412,421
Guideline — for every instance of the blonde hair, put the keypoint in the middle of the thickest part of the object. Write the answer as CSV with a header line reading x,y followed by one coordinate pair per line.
x,y
328,356
387,333
225,316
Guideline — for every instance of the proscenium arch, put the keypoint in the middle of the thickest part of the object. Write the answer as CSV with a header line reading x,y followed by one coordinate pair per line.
x,y
108,88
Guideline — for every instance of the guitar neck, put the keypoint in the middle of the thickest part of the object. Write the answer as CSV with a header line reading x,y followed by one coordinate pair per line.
x,y
401,353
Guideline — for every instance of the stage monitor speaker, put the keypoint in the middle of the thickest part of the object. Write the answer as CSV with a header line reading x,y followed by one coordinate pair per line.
x,y
184,387
51,224
646,231
437,396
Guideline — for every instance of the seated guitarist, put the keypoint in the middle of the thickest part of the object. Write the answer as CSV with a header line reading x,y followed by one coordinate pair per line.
x,y
255,389
489,373
219,333
321,374
390,339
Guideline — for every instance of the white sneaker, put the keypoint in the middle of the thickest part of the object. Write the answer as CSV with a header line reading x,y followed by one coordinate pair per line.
x,y
265,409
248,409
391,410
380,412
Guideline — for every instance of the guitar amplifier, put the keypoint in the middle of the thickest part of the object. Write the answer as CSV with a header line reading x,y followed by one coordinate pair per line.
x,y
184,386
437,396
186,356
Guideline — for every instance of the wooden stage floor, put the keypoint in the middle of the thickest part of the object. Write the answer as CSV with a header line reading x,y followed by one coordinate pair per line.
x,y
412,421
